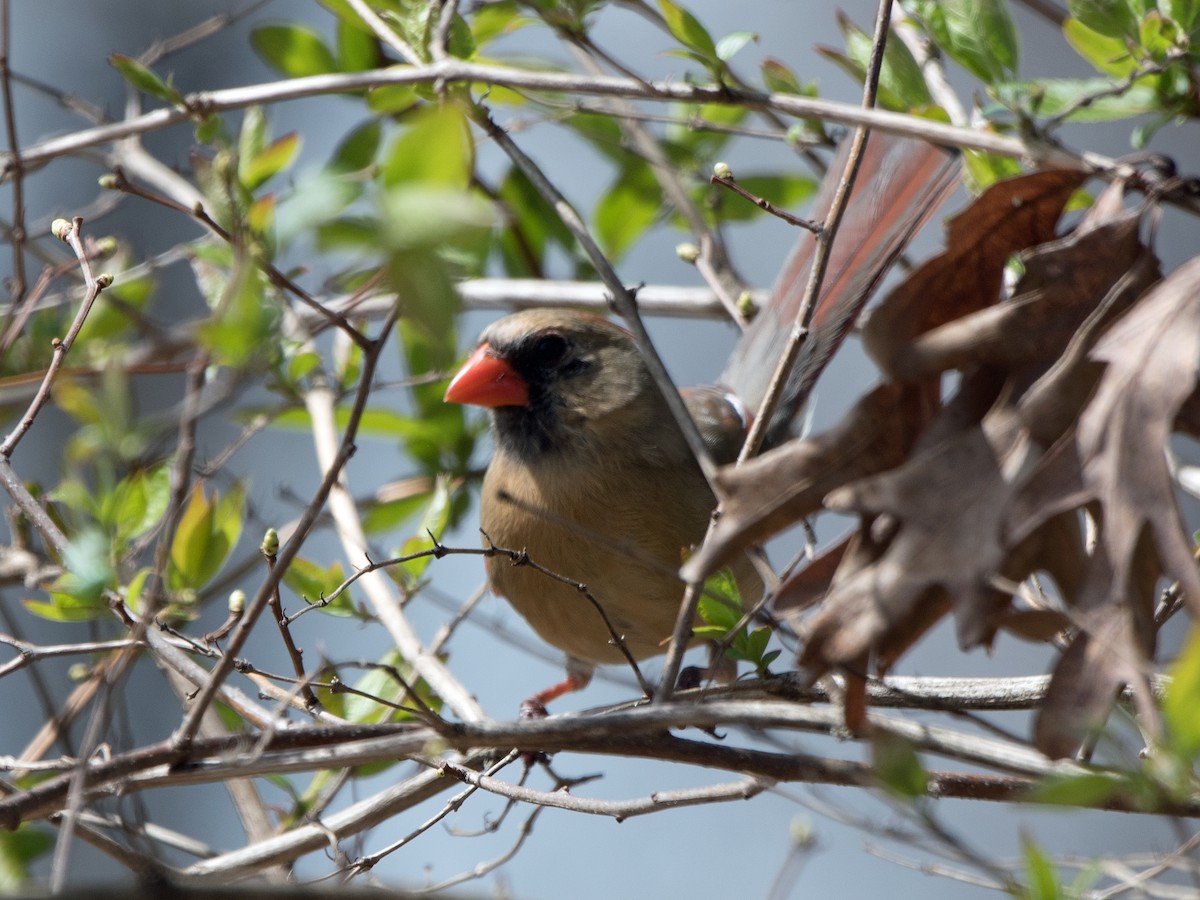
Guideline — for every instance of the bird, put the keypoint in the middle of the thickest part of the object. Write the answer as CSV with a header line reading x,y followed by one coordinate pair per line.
x,y
592,477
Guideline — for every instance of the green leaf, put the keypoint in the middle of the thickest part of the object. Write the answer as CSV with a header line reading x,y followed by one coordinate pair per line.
x,y
210,129
142,78
294,50
896,764
426,217
977,34
1109,55
436,150
78,402
320,197
1114,18
392,99
720,604
901,81
1184,13
390,515
254,134
778,78
207,533
1042,883
137,504
728,46
497,19
313,584
1052,96
357,149
432,527
381,683
358,48
1088,789
982,170
18,850
1183,700
242,329
132,594
687,29
78,594
270,161
64,608
530,226
629,207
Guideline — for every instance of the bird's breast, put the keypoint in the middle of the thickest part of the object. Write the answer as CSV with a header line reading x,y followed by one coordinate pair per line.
x,y
619,534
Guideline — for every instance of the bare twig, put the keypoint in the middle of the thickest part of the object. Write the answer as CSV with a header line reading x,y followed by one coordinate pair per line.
x,y
727,181
119,182
616,809
16,228
69,232
270,547
187,730
459,71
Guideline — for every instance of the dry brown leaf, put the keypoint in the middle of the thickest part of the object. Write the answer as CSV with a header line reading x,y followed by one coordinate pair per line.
x,y
775,490
947,508
806,586
949,504
1112,648
1057,291
1114,462
1116,455
1008,217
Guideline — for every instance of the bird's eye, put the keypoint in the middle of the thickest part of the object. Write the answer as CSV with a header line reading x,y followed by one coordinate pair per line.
x,y
549,350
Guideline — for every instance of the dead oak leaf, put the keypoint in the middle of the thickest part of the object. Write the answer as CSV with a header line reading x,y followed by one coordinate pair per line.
x,y
1006,218
771,492
1116,455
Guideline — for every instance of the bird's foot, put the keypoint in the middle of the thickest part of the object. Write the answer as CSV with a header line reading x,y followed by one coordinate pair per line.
x,y
533,708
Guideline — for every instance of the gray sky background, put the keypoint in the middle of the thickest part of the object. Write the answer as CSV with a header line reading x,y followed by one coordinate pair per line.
x,y
728,850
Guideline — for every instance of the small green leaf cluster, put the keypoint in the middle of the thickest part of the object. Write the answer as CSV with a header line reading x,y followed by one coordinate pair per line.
x,y
720,608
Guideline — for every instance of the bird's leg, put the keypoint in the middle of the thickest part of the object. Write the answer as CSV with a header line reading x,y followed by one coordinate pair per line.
x,y
579,676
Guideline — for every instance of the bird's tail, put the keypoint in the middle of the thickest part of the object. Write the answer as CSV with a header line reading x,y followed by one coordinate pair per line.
x,y
901,184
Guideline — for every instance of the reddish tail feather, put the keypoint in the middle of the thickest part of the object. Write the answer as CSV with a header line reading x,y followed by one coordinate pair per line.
x,y
901,184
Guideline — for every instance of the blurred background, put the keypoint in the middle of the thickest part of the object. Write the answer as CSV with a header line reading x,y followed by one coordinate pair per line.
x,y
861,845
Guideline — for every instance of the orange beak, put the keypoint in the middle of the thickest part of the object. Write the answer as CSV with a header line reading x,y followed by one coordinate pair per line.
x,y
487,380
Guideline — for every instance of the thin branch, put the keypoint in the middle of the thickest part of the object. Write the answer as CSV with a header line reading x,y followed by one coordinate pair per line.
x,y
320,401
187,730
118,182
385,32
366,863
641,732
28,653
616,809
269,548
727,181
458,71
69,232
16,229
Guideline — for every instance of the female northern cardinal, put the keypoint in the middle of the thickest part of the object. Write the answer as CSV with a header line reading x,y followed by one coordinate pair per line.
x,y
591,474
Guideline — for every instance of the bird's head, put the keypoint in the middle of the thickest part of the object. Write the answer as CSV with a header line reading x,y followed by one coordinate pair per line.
x,y
560,382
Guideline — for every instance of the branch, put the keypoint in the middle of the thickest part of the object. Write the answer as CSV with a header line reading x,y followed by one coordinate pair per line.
x,y
457,71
